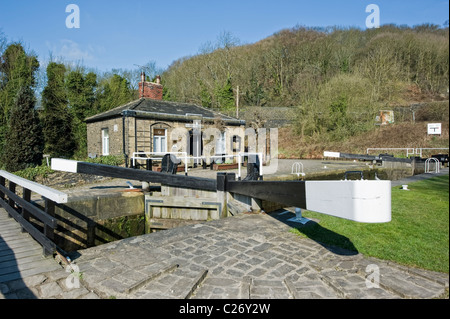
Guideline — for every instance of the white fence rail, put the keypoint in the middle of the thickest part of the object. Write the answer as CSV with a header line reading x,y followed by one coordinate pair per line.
x,y
185,158
409,150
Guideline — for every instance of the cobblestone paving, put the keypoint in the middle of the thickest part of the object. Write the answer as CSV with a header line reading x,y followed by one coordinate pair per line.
x,y
241,257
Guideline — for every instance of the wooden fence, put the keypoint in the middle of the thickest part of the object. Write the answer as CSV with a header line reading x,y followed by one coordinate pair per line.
x,y
22,210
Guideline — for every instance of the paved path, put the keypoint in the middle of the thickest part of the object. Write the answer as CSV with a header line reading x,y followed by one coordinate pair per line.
x,y
241,257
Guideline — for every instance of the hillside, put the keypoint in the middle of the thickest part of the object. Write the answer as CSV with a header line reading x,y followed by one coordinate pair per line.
x,y
403,134
335,81
296,66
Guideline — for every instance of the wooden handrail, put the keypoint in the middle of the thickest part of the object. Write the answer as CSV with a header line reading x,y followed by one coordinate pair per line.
x,y
21,208
45,191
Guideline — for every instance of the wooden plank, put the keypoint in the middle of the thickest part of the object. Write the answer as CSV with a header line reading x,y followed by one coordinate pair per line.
x,y
24,263
47,244
290,193
20,250
183,202
134,174
15,242
11,233
168,223
29,249
46,266
18,255
6,228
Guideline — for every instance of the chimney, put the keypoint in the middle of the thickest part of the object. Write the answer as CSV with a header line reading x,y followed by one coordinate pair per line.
x,y
150,90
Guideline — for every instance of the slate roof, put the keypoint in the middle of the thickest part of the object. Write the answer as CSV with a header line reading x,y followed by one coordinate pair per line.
x,y
164,110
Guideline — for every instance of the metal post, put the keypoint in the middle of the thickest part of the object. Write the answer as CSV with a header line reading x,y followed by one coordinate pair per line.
x,y
298,217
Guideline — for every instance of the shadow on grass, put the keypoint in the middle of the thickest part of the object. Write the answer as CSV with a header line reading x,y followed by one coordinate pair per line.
x,y
330,240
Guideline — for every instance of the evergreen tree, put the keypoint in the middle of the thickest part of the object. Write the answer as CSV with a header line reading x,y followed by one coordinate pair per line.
x,y
224,95
81,93
17,70
23,141
113,92
56,117
205,97
81,97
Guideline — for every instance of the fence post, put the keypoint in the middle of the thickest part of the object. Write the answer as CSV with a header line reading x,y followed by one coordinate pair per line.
x,y
2,183
222,193
25,214
49,209
12,188
49,232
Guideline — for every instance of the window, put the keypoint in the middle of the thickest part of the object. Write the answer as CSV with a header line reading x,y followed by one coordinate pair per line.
x,y
221,144
236,143
160,140
105,141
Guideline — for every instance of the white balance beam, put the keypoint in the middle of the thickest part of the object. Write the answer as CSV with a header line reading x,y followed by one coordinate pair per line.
x,y
365,201
64,165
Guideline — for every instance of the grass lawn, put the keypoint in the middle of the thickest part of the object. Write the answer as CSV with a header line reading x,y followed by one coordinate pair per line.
x,y
418,234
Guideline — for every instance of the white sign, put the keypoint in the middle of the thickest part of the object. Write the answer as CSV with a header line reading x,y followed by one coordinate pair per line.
x,y
434,128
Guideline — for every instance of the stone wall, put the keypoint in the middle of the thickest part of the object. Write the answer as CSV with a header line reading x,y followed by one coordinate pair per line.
x,y
139,135
87,221
94,137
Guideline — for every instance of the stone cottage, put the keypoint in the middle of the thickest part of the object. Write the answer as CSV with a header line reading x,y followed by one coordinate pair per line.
x,y
150,124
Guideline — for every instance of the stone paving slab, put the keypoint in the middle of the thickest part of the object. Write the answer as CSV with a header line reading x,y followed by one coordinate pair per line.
x,y
249,256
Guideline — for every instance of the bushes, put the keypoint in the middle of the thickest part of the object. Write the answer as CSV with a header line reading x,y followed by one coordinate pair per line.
x,y
433,111
108,160
32,173
43,171
345,106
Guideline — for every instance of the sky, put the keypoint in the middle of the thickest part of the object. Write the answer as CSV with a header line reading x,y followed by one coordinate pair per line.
x,y
115,34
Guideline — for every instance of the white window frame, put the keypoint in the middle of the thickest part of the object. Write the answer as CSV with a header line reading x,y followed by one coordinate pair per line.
x,y
158,140
105,141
